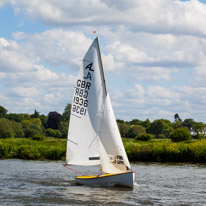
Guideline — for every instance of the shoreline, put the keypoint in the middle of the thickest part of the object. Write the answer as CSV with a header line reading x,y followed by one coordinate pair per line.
x,y
155,151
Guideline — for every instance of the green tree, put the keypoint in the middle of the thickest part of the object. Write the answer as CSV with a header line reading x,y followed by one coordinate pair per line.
x,y
160,126
146,123
50,132
32,128
199,128
17,117
180,134
3,112
135,122
63,128
120,121
123,128
135,130
58,134
38,137
66,114
17,129
36,121
31,132
144,137
43,119
35,115
161,136
6,130
26,124
178,121
53,120
188,123
37,127
177,117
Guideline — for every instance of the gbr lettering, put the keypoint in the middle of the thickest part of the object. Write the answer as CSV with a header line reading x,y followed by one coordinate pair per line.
x,y
81,92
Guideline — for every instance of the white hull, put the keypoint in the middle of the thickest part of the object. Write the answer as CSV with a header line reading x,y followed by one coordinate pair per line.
x,y
121,179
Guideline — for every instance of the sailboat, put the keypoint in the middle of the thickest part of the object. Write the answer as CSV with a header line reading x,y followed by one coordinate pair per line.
x,y
93,137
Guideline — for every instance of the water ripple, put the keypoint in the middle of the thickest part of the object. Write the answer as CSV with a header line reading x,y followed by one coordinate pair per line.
x,y
49,183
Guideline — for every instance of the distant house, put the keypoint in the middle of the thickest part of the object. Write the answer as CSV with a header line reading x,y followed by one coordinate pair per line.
x,y
196,132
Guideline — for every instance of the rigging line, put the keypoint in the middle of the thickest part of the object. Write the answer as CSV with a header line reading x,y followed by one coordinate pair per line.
x,y
95,174
75,115
93,141
73,170
72,142
87,61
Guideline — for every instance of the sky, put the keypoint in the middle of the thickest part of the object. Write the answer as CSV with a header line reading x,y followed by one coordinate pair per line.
x,y
154,55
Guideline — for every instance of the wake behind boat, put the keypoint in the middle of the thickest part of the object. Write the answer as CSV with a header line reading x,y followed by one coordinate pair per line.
x,y
93,137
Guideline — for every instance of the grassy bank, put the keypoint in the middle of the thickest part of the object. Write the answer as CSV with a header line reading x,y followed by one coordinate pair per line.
x,y
153,151
166,151
52,149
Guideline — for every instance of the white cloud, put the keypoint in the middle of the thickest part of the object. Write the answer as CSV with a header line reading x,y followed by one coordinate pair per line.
x,y
3,2
125,52
137,92
152,74
19,35
26,92
200,75
154,56
146,45
160,92
158,16
195,95
109,63
49,97
44,74
11,57
31,85
56,46
2,75
4,42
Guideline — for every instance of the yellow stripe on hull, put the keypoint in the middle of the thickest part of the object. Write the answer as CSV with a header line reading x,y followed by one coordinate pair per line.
x,y
123,179
95,176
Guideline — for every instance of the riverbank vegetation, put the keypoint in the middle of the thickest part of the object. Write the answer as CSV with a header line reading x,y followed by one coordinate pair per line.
x,y
38,136
156,150
24,148
163,150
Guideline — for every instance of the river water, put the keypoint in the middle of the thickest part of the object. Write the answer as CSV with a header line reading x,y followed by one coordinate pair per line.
x,y
49,183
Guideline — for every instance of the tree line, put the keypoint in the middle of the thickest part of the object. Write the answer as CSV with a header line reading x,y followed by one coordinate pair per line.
x,y
177,130
37,126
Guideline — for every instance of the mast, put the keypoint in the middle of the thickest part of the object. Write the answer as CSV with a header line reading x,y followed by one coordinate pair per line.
x,y
102,66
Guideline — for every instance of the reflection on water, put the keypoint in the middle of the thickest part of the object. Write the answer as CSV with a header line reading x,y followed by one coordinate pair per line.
x,y
49,183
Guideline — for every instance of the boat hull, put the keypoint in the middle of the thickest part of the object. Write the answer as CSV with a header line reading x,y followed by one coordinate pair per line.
x,y
121,179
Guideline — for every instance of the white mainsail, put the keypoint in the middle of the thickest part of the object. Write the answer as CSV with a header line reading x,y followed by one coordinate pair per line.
x,y
93,132
86,111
